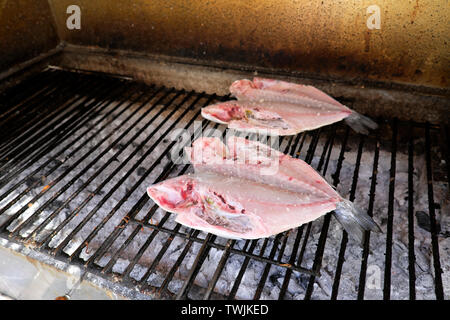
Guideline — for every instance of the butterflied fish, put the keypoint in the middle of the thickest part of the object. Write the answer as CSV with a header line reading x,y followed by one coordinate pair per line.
x,y
275,118
237,192
283,107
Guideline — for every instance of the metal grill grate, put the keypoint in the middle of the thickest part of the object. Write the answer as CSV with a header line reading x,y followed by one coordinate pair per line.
x,y
78,151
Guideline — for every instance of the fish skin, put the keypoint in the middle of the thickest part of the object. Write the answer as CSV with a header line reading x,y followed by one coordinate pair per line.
x,y
280,118
267,210
252,160
262,89
283,91
271,203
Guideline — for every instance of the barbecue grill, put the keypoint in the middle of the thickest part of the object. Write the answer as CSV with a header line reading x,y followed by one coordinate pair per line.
x,y
85,130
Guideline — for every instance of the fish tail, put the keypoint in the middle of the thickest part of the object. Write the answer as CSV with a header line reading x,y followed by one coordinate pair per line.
x,y
360,123
355,221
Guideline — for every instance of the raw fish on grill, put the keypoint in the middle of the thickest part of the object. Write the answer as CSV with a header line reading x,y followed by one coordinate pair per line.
x,y
247,190
284,108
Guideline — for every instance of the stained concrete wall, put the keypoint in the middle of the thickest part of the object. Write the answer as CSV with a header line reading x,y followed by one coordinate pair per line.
x,y
26,30
324,37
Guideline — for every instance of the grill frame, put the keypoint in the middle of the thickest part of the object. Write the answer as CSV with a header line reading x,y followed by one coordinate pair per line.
x,y
23,97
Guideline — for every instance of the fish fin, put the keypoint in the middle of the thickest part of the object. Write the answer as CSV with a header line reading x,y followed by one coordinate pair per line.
x,y
360,123
355,221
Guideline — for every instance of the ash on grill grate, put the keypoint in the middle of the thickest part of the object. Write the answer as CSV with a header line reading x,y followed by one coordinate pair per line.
x,y
73,184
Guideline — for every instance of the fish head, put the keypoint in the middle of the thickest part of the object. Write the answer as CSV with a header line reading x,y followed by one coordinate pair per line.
x,y
223,112
210,150
240,88
173,193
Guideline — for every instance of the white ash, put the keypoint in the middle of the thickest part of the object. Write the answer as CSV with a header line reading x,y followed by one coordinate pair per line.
x,y
298,283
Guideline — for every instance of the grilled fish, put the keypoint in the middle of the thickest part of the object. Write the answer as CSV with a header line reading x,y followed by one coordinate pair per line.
x,y
236,193
282,107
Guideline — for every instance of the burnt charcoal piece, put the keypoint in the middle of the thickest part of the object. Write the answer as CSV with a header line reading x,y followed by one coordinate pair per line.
x,y
141,171
423,220
31,181
303,280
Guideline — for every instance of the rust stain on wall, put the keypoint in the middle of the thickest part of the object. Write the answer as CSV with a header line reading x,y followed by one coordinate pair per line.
x,y
329,38
26,30
320,37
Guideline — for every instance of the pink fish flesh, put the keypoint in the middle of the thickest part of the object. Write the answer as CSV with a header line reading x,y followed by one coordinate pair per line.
x,y
279,118
233,208
233,196
288,108
282,91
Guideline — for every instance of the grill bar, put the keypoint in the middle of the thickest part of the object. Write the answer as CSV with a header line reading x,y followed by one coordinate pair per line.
x,y
167,170
73,95
50,140
139,204
372,194
22,91
67,89
86,219
14,107
56,156
32,111
89,143
66,202
344,240
411,255
132,214
439,290
323,235
388,261
45,190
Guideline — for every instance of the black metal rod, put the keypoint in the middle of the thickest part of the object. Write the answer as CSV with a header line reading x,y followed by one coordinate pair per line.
x,y
42,115
137,184
50,185
388,260
165,173
193,234
439,290
265,273
220,266
93,176
411,254
110,146
86,183
308,160
59,163
23,90
366,245
317,264
25,99
62,131
238,280
55,110
195,269
249,254
341,257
